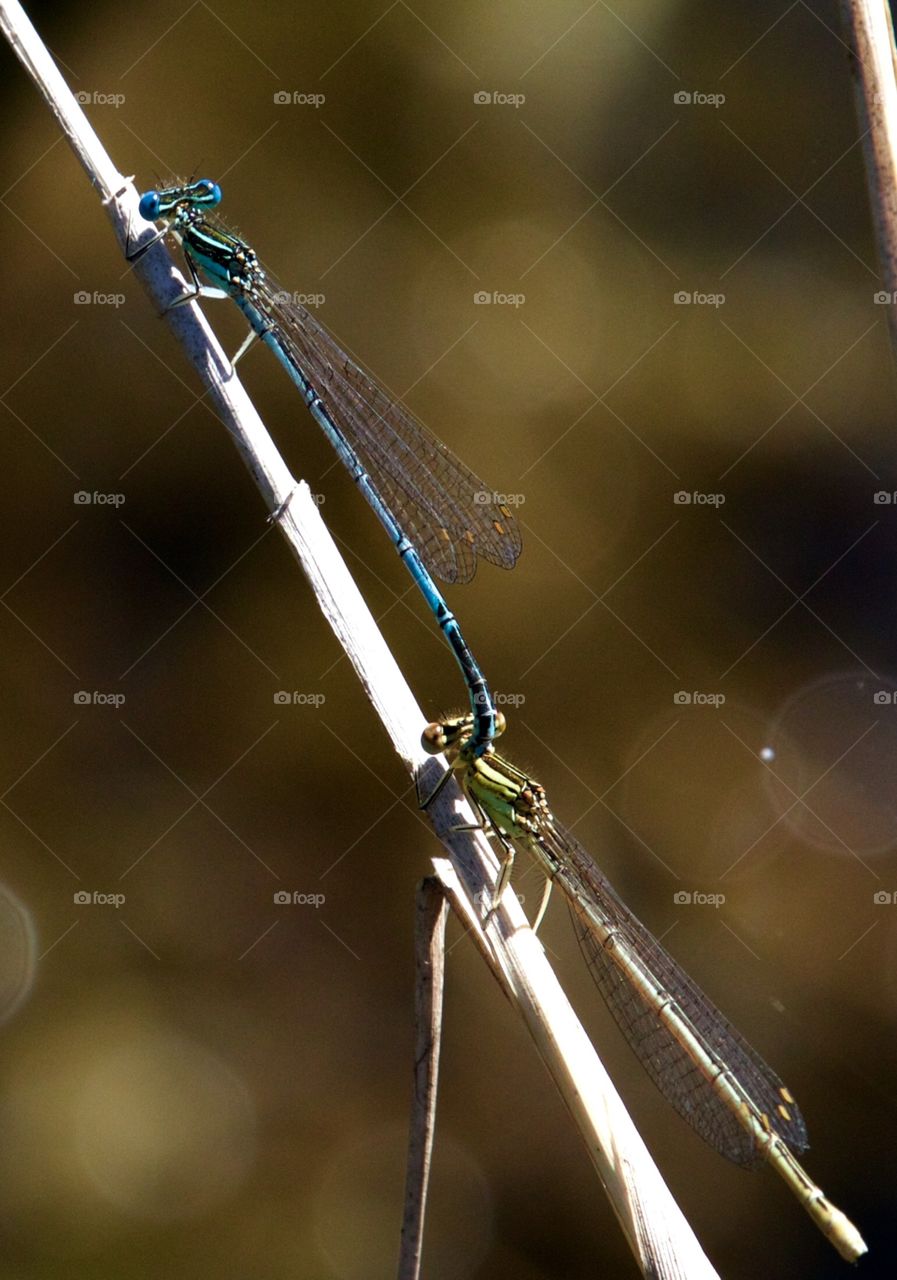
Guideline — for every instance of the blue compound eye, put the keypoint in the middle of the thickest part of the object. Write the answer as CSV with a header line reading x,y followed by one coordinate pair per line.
x,y
149,206
208,191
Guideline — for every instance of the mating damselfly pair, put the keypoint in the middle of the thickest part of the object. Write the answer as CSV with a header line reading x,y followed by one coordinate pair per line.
x,y
431,506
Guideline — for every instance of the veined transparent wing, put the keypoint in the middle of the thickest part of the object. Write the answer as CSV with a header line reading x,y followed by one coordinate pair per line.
x,y
626,961
446,511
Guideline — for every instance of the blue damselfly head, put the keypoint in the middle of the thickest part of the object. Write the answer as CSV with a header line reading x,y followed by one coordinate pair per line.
x,y
203,194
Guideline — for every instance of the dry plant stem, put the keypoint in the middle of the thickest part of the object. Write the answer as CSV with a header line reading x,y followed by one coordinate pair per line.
x,y
660,1238
662,1242
430,916
870,33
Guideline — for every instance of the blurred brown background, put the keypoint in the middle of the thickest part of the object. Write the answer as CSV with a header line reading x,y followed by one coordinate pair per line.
x,y
199,1082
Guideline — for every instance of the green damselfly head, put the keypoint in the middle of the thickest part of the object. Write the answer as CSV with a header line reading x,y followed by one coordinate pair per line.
x,y
449,736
